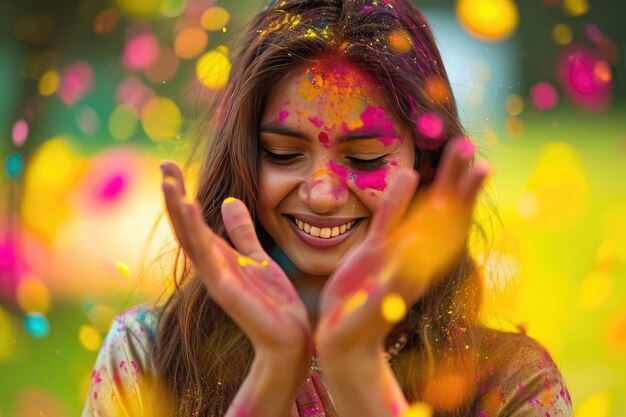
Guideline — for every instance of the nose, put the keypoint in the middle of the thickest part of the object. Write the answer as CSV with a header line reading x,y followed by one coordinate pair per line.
x,y
324,191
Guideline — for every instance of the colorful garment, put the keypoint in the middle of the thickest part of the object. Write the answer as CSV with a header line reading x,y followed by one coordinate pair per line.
x,y
517,378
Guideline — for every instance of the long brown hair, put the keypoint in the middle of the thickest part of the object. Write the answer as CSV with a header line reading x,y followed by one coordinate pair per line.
x,y
201,354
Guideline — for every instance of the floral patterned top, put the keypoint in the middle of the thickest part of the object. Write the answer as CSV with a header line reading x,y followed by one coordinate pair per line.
x,y
524,381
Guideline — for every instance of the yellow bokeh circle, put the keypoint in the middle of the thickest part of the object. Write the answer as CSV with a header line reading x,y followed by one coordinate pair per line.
x,y
139,8
213,68
215,18
490,20
49,83
393,307
161,119
89,338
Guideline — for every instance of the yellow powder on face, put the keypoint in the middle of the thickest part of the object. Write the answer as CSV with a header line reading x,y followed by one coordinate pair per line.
x,y
340,84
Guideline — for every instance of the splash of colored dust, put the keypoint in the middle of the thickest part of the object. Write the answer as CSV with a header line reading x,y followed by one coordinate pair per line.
x,y
122,268
418,409
245,261
316,121
400,41
393,308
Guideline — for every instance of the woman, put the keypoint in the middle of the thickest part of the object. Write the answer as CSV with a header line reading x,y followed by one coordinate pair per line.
x,y
334,111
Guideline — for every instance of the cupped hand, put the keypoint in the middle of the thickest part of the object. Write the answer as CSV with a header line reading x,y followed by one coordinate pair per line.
x,y
243,280
405,250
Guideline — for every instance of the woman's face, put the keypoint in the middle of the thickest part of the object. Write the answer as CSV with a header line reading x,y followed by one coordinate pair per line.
x,y
330,148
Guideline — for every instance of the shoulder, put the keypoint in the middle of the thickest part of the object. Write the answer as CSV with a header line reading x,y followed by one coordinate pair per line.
x,y
132,336
125,366
519,378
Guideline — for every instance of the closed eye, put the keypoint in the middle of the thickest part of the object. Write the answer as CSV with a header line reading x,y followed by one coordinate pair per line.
x,y
367,164
280,158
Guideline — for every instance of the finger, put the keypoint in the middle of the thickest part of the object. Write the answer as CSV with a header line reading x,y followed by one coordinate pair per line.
x,y
456,159
200,242
240,229
171,169
174,209
473,182
394,202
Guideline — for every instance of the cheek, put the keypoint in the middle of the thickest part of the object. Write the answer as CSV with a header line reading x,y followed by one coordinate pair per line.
x,y
274,186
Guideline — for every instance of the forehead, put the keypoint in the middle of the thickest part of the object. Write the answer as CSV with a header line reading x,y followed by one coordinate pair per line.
x,y
332,85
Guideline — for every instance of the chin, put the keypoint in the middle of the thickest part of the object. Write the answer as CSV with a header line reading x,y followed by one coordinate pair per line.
x,y
321,265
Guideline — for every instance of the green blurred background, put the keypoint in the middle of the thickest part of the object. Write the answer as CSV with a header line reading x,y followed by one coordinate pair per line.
x,y
96,92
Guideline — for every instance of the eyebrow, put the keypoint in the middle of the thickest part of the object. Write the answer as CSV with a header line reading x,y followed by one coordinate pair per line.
x,y
357,134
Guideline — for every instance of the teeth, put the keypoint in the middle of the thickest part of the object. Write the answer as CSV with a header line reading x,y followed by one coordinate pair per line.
x,y
324,232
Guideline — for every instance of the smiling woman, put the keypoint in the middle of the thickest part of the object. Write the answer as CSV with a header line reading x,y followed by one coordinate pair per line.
x,y
324,130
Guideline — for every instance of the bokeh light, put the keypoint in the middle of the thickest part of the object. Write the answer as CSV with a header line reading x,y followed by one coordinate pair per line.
x,y
141,52
123,122
14,165
76,81
213,68
49,83
596,405
139,8
585,78
393,308
20,132
106,21
7,336
490,20
575,7
164,68
418,409
514,105
37,325
32,295
89,338
215,18
544,96
190,42
101,317
161,119
400,42
562,34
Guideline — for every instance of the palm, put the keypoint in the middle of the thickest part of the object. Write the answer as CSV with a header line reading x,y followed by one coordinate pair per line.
x,y
244,281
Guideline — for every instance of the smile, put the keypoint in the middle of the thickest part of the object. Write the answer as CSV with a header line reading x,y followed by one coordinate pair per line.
x,y
325,232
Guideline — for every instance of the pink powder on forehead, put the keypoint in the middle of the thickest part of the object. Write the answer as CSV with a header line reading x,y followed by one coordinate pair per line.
x,y
323,138
376,180
375,117
282,115
316,122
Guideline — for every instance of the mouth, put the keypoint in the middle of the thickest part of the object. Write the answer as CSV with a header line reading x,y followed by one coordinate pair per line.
x,y
320,236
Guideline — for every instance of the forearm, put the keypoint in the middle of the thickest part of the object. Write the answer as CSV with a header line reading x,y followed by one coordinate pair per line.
x,y
362,384
269,389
